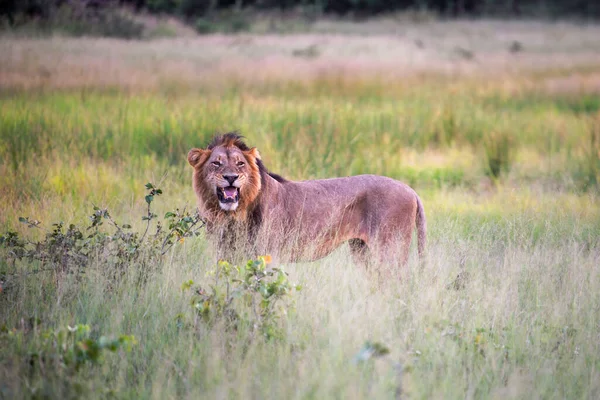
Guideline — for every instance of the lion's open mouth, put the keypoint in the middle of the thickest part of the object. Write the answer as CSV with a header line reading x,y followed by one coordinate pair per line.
x,y
229,194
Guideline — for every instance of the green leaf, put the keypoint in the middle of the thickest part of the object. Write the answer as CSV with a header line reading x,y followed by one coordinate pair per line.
x,y
90,349
149,185
149,198
186,285
110,344
371,350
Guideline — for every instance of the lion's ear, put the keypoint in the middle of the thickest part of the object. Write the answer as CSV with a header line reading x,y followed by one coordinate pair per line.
x,y
197,156
253,152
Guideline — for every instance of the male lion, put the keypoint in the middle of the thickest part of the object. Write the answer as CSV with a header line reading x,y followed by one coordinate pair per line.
x,y
245,205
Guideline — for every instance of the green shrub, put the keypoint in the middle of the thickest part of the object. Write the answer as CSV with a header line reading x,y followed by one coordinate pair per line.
x,y
107,22
237,22
72,249
244,296
57,362
205,26
79,20
225,22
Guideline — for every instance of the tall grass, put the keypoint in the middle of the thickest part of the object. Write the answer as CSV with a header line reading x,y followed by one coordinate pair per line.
x,y
523,321
80,143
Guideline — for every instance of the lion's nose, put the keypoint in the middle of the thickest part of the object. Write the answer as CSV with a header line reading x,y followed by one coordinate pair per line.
x,y
230,178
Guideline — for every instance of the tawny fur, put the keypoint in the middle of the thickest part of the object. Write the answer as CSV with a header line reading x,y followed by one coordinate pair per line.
x,y
305,220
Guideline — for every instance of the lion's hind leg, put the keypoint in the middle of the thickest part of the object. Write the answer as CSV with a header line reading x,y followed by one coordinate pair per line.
x,y
360,251
389,252
379,257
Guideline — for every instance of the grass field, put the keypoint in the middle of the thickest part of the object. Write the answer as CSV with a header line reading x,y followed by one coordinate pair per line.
x,y
502,145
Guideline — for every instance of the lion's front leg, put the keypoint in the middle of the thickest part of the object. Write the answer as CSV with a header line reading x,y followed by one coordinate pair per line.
x,y
225,241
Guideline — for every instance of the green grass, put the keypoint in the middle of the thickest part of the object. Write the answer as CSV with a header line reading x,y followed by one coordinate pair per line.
x,y
507,306
86,140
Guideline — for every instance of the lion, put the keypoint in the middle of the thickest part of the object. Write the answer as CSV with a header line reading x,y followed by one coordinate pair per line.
x,y
247,207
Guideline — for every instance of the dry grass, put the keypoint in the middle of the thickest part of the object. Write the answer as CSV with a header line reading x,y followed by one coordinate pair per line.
x,y
403,49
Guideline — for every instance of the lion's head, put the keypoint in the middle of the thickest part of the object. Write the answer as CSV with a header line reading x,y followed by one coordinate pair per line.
x,y
227,176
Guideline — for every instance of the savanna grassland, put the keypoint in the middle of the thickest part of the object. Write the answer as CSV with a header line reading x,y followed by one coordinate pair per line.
x,y
495,124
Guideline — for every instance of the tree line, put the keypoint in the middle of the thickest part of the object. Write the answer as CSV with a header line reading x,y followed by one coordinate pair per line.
x,y
349,8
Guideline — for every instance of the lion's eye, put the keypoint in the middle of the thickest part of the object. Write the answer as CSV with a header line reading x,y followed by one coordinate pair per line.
x,y
216,163
240,164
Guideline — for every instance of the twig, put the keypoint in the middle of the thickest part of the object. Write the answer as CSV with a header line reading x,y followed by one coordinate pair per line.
x,y
112,221
147,225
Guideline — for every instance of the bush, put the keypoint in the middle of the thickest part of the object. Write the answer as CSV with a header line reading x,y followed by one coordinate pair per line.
x,y
67,357
72,249
107,22
205,26
79,20
243,297
225,22
237,22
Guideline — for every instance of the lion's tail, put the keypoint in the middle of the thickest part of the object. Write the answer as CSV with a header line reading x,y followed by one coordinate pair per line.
x,y
421,229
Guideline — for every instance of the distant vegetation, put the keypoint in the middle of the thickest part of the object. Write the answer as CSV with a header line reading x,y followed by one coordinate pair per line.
x,y
189,8
73,18
105,18
363,8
